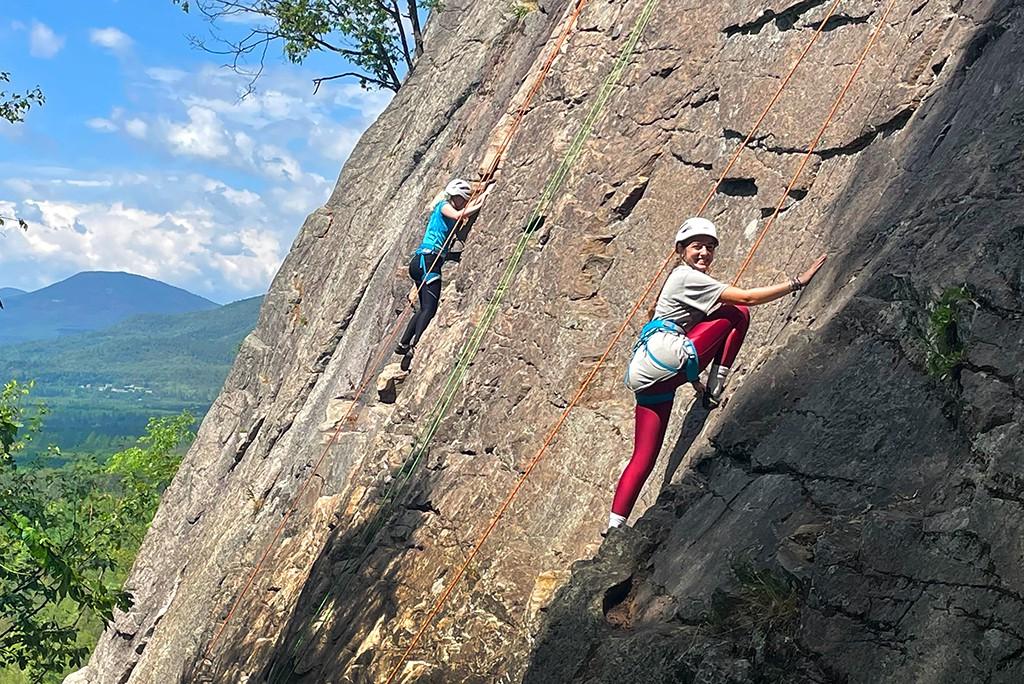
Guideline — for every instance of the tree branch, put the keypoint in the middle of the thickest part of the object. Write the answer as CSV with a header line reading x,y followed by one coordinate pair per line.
x,y
417,33
22,223
369,34
397,16
361,77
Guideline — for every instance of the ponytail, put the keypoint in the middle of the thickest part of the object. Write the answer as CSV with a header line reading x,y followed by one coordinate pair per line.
x,y
440,197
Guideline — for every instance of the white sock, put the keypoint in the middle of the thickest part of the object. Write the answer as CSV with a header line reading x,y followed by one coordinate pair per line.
x,y
717,377
616,520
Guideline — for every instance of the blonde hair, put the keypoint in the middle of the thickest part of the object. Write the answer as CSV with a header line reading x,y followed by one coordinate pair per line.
x,y
438,198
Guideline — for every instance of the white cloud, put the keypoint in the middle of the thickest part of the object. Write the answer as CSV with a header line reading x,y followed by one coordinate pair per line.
x,y
221,185
203,136
278,130
179,247
277,163
88,183
101,124
137,128
242,17
241,198
334,143
43,42
246,147
299,200
221,240
369,103
257,109
166,74
110,38
18,185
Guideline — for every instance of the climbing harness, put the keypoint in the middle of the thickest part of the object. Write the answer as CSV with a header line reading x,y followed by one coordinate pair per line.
x,y
443,598
673,352
429,276
383,349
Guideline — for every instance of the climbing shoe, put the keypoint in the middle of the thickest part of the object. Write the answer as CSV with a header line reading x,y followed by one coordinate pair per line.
x,y
406,359
401,349
710,401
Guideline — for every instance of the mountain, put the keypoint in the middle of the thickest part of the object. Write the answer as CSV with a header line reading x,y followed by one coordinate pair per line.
x,y
8,293
91,300
853,512
108,383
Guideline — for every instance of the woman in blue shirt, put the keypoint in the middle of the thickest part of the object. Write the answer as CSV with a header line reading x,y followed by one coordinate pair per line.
x,y
451,208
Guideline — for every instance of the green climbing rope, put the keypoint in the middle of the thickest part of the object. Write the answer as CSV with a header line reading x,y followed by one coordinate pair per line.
x,y
400,482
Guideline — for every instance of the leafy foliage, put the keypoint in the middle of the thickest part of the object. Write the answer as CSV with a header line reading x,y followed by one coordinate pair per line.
x,y
13,105
69,535
945,350
521,8
381,38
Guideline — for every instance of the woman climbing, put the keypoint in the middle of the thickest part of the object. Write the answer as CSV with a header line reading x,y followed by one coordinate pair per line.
x,y
450,208
697,321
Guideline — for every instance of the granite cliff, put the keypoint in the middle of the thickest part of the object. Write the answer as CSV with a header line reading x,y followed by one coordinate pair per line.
x,y
854,512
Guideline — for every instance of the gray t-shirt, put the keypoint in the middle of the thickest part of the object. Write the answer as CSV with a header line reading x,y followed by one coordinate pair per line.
x,y
688,297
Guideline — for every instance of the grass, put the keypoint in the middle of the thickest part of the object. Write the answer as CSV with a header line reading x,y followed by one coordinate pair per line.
x,y
520,8
766,604
945,349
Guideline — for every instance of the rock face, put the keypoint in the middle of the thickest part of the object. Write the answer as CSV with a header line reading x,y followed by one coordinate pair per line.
x,y
853,513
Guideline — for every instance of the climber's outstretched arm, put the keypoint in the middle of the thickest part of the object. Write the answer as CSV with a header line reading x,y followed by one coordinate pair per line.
x,y
769,293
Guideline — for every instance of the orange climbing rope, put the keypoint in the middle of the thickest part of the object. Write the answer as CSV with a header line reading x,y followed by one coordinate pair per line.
x,y
382,349
443,598
814,143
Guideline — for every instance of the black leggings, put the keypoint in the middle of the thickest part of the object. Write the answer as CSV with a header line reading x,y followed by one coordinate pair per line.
x,y
425,271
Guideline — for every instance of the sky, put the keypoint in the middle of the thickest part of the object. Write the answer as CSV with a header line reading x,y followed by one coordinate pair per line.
x,y
146,159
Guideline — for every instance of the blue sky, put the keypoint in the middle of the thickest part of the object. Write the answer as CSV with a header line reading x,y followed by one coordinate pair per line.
x,y
145,159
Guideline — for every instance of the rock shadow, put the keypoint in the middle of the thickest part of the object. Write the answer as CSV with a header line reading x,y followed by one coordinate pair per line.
x,y
349,590
693,424
888,496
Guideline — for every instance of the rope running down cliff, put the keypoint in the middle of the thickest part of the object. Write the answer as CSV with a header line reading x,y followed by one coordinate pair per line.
x,y
468,353
382,349
442,600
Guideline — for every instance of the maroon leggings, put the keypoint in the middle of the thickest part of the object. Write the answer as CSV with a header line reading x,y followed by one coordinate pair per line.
x,y
717,337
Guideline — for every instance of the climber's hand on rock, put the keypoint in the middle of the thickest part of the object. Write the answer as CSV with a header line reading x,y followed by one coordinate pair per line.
x,y
414,294
808,275
478,201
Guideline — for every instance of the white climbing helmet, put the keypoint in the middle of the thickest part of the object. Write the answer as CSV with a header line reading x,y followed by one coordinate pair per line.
x,y
458,188
696,226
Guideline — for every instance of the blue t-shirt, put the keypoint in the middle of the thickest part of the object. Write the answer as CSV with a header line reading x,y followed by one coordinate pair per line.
x,y
439,227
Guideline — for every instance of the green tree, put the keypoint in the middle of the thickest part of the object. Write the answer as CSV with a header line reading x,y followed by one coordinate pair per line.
x,y
69,535
143,472
379,38
13,105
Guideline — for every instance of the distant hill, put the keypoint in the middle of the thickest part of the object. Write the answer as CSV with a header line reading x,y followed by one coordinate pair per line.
x,y
91,300
104,385
7,293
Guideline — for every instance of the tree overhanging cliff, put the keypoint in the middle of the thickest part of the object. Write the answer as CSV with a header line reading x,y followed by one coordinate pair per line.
x,y
852,514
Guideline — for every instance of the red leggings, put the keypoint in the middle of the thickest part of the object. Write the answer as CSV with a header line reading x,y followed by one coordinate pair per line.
x,y
717,337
